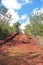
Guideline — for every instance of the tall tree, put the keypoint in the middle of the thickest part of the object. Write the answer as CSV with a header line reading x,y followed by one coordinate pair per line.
x,y
36,21
36,25
16,27
28,29
3,10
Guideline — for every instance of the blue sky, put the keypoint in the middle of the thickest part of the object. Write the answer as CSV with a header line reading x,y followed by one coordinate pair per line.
x,y
22,9
28,8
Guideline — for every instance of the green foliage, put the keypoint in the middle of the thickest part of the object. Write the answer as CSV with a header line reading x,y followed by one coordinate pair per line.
x,y
3,29
16,27
41,29
36,25
28,29
3,10
6,29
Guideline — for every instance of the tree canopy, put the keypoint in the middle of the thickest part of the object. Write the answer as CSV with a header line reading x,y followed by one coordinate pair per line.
x,y
36,25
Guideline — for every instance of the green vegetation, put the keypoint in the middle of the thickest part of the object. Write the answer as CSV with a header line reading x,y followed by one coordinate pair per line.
x,y
5,28
3,10
34,28
16,27
36,25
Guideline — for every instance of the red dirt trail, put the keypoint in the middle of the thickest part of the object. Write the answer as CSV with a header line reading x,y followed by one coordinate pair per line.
x,y
21,50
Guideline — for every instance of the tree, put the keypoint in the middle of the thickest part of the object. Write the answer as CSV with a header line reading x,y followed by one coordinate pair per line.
x,y
3,10
28,29
16,27
36,25
5,28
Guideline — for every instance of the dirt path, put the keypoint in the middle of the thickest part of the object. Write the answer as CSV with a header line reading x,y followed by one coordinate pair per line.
x,y
22,50
31,58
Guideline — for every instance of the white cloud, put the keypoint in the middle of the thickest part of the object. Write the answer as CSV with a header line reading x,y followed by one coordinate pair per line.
x,y
11,4
14,4
26,18
23,17
37,11
22,27
14,16
24,24
27,1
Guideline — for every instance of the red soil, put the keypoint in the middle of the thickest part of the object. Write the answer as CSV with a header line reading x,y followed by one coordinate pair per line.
x,y
27,49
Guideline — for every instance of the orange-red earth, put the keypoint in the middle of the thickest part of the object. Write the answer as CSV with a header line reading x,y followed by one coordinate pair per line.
x,y
21,49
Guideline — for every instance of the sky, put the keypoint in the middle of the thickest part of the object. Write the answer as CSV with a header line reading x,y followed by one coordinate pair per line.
x,y
21,10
